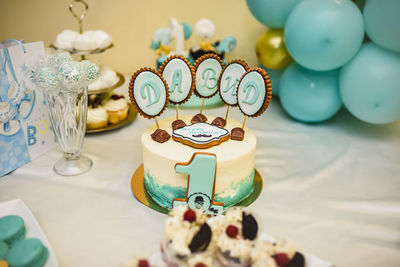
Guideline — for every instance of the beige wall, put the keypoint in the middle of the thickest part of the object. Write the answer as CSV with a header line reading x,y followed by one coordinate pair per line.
x,y
131,23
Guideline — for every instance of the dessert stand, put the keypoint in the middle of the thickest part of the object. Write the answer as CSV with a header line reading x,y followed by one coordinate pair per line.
x,y
83,54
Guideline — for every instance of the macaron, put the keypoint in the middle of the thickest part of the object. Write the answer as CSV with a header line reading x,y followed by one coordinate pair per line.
x,y
27,253
12,228
3,250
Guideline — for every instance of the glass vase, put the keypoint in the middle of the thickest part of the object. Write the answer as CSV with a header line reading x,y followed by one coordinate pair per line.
x,y
68,110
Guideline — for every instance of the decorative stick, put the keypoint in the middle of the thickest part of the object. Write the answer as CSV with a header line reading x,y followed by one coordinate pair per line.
x,y
202,104
244,121
227,111
177,112
158,126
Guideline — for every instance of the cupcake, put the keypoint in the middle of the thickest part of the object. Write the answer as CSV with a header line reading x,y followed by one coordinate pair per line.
x,y
187,235
281,253
97,116
235,235
117,109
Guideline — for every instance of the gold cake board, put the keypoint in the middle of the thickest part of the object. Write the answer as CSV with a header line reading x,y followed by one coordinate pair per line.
x,y
141,194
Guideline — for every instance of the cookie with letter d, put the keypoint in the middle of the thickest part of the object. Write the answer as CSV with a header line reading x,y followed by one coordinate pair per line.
x,y
254,92
148,93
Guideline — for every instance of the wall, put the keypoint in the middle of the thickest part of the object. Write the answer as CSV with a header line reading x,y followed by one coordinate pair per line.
x,y
131,23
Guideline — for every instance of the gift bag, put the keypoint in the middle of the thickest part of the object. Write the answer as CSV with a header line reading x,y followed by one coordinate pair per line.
x,y
25,128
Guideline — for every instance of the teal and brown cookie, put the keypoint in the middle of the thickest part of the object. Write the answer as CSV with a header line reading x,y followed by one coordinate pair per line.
x,y
12,228
28,252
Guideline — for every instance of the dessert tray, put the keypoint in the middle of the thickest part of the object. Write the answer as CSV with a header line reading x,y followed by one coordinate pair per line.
x,y
131,116
18,207
84,52
141,194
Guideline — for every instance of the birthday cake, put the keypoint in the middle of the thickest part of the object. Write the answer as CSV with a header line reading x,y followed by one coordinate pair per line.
x,y
235,165
201,161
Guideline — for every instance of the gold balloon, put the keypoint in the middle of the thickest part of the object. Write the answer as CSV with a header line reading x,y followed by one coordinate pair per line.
x,y
271,50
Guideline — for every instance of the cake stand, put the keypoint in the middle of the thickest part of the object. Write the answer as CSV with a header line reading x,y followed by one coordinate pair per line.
x,y
141,194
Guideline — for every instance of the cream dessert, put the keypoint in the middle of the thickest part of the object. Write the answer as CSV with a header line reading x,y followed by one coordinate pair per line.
x,y
234,171
96,117
187,235
117,109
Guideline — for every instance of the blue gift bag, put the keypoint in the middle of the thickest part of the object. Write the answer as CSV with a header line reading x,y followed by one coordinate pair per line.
x,y
24,123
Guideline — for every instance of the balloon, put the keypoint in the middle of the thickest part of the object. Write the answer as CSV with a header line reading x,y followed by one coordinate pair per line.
x,y
310,96
382,23
370,84
275,77
324,35
272,13
271,50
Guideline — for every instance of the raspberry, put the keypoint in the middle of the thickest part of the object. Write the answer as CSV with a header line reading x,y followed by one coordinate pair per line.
x,y
200,264
281,259
143,263
232,231
190,216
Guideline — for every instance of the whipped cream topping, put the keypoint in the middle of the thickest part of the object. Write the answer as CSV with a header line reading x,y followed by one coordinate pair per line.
x,y
265,250
179,233
88,40
236,247
96,115
200,258
115,105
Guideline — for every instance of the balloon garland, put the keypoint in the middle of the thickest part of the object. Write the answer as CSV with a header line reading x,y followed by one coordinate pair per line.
x,y
332,64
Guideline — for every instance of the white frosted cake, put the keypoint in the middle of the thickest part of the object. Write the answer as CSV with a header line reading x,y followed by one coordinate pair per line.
x,y
234,172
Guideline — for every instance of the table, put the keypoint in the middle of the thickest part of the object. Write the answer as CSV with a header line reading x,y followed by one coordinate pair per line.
x,y
333,188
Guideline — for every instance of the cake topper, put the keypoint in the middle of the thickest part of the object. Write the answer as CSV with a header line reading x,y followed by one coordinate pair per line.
x,y
148,93
201,185
201,135
254,94
207,70
180,78
227,85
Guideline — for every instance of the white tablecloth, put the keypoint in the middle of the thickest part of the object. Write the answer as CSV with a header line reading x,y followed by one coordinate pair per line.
x,y
333,188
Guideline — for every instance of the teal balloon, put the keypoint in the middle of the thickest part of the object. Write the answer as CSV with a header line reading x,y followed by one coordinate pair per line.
x,y
370,84
324,35
275,77
310,96
382,23
272,13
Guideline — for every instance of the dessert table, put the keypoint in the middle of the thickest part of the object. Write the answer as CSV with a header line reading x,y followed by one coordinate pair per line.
x,y
333,188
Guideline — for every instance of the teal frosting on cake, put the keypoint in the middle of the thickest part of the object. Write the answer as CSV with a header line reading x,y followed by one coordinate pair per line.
x,y
163,195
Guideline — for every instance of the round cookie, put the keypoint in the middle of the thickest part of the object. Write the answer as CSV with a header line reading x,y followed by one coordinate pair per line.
x,y
3,250
29,252
12,228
